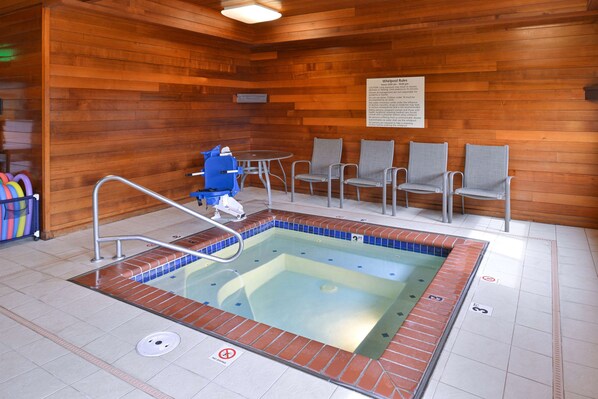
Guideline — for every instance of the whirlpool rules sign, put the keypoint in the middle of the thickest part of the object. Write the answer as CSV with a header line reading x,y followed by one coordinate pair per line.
x,y
396,102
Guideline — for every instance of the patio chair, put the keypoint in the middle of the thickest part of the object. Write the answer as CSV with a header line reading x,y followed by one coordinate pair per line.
x,y
323,167
374,169
485,178
426,174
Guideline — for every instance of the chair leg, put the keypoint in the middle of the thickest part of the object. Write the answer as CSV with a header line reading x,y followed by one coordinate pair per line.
x,y
293,190
358,199
311,188
462,205
394,202
384,199
329,191
507,213
444,218
450,207
406,199
341,193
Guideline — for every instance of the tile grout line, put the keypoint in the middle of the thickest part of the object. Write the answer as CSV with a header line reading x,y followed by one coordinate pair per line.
x,y
557,355
141,385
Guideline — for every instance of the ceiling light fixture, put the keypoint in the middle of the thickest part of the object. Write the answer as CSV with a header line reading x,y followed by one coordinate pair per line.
x,y
251,14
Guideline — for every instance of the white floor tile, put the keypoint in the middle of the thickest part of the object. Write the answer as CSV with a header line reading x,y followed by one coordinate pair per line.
x,y
580,352
109,348
518,387
581,379
13,364
533,340
178,382
102,385
482,349
42,351
579,330
36,383
141,367
294,384
198,359
250,375
70,368
67,393
344,393
531,365
132,331
473,377
112,316
534,319
489,327
444,391
535,302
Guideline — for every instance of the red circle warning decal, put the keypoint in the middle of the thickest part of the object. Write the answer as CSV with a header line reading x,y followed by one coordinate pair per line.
x,y
227,353
490,279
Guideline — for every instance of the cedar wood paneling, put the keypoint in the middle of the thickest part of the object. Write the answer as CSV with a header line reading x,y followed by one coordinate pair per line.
x,y
522,87
20,90
141,99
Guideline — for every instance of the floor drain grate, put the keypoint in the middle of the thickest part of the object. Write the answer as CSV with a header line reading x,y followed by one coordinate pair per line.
x,y
158,343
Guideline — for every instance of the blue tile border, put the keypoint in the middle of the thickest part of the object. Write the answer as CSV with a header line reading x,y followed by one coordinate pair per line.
x,y
303,228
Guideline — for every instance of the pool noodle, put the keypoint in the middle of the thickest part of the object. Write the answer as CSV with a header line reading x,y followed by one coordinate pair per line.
x,y
9,175
28,192
3,222
10,221
4,178
15,222
19,227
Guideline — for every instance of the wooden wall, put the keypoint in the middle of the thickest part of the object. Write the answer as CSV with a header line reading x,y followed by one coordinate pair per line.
x,y
136,100
20,88
138,88
495,85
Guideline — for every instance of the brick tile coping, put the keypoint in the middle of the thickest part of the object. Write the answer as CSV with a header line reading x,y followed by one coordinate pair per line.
x,y
403,369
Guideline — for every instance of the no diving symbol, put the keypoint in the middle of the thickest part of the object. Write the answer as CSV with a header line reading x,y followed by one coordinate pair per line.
x,y
490,279
227,353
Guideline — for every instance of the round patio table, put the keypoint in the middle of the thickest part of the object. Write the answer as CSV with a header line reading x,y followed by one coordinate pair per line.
x,y
257,162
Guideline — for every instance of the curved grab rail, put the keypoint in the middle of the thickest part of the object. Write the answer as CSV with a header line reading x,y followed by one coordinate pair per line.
x,y
96,227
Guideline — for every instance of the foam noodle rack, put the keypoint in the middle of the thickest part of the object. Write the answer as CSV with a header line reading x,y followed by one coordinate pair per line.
x,y
19,208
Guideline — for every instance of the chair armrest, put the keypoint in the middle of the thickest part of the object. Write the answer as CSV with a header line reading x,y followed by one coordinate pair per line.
x,y
343,166
331,166
508,186
395,172
295,163
389,173
452,180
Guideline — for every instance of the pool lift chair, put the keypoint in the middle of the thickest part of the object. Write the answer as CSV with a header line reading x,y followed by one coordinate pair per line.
x,y
220,173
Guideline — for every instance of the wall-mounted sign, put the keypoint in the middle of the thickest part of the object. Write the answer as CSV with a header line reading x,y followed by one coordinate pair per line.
x,y
252,98
396,102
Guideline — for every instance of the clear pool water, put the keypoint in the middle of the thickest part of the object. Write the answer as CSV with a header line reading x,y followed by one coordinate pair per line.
x,y
349,295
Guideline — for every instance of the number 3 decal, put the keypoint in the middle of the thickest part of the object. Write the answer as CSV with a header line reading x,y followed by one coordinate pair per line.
x,y
436,298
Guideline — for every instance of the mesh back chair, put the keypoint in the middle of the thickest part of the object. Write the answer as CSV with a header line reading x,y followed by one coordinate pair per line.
x,y
426,173
374,169
323,167
485,177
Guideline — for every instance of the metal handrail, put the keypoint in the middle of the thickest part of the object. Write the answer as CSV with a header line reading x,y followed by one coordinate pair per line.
x,y
119,255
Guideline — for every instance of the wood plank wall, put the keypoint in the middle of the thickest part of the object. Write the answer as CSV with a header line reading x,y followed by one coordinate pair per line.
x,y
132,95
492,86
139,101
20,90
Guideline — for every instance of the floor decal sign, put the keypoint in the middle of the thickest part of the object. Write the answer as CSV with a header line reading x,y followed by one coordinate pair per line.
x,y
226,354
481,309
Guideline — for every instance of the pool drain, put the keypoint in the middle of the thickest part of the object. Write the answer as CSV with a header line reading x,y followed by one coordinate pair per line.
x,y
328,288
158,344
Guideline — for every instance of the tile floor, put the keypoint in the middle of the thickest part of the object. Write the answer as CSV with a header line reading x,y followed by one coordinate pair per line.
x,y
507,354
